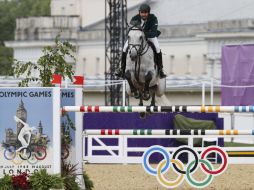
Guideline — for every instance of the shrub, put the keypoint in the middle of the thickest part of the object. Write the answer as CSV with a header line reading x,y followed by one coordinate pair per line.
x,y
43,181
69,176
88,181
6,183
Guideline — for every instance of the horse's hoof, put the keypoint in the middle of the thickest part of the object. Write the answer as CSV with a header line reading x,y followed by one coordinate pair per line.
x,y
146,96
142,115
136,95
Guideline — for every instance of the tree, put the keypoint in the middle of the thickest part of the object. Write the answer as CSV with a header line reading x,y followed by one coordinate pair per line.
x,y
53,61
5,60
9,11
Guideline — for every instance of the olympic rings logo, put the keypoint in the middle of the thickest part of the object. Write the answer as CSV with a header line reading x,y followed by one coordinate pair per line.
x,y
184,172
32,156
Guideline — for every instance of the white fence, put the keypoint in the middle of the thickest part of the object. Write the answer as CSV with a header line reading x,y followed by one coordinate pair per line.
x,y
119,153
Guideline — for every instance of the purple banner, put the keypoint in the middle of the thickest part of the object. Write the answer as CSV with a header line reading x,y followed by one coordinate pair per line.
x,y
237,70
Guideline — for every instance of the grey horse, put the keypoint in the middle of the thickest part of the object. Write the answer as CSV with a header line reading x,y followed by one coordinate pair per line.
x,y
141,71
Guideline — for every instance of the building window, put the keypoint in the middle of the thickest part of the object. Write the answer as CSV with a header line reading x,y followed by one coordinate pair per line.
x,y
204,64
188,66
97,66
84,66
171,64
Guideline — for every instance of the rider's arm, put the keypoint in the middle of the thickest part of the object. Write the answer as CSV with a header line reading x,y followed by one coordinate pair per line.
x,y
152,31
135,20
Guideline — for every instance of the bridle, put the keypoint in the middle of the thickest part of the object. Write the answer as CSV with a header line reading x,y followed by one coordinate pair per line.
x,y
141,49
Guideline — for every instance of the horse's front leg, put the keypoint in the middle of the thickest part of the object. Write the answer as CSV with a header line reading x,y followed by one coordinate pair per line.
x,y
142,114
140,100
148,78
132,87
153,100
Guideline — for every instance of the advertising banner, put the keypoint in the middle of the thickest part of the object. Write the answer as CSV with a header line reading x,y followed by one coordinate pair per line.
x,y
71,128
29,130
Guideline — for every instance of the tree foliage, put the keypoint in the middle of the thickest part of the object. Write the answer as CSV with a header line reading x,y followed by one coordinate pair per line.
x,y
53,61
9,11
5,62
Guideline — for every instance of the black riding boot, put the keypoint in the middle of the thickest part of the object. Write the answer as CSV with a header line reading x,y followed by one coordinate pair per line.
x,y
120,72
160,65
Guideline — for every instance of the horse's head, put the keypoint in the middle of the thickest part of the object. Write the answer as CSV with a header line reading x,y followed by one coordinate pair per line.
x,y
136,39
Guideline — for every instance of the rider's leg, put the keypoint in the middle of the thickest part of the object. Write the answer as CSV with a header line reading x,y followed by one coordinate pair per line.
x,y
159,56
121,72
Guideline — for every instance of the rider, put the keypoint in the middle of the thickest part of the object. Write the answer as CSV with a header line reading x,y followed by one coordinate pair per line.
x,y
149,23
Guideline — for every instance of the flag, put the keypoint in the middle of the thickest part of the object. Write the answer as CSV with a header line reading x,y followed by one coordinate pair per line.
x,y
78,80
56,79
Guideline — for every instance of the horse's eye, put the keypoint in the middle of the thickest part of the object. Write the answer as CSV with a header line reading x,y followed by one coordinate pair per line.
x,y
140,37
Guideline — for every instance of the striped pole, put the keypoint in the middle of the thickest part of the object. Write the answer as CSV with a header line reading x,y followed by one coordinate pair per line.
x,y
158,109
171,132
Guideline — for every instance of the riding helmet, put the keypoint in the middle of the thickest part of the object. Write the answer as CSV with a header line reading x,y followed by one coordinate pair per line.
x,y
144,8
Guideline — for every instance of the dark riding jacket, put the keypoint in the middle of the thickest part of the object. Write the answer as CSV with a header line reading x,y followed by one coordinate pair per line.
x,y
150,26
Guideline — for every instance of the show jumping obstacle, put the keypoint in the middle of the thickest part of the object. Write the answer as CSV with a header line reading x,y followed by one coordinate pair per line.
x,y
154,109
171,132
235,153
158,109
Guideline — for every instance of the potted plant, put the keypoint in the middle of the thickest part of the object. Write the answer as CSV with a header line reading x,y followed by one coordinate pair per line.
x,y
69,176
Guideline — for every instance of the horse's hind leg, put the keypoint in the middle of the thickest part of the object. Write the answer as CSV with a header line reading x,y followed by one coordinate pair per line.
x,y
132,87
148,79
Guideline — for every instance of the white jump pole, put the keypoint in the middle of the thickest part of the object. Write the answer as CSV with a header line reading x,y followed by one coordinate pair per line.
x,y
170,132
159,109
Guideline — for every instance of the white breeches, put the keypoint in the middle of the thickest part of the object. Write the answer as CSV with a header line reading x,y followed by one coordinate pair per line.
x,y
156,44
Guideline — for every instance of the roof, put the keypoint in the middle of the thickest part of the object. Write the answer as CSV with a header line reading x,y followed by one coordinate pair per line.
x,y
177,12
192,12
